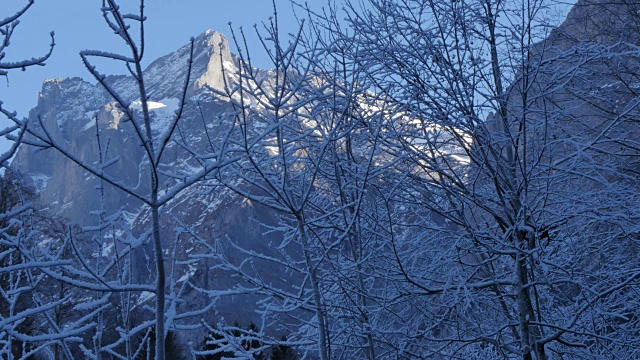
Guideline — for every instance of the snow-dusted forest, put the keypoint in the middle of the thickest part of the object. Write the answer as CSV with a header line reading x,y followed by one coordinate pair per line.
x,y
408,179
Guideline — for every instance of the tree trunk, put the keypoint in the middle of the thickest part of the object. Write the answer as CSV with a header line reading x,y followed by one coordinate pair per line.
x,y
160,284
324,351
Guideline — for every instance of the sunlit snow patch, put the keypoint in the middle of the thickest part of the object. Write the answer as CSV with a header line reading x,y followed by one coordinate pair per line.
x,y
92,121
40,181
144,296
130,217
162,113
189,274
43,243
106,251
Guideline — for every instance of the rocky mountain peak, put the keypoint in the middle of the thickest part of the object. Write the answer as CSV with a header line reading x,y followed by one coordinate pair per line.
x,y
601,21
212,47
165,76
68,109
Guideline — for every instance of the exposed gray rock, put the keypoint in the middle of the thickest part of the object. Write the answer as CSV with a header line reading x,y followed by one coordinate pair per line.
x,y
69,108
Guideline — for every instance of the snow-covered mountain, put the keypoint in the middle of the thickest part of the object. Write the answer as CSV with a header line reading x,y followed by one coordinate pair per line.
x,y
70,110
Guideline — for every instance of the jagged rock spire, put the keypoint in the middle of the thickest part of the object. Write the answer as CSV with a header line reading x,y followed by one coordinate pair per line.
x,y
213,46
166,75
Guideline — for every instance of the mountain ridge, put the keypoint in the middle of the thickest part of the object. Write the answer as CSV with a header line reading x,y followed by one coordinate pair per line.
x,y
68,108
72,108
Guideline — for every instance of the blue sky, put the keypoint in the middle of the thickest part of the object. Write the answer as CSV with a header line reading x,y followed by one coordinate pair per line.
x,y
78,25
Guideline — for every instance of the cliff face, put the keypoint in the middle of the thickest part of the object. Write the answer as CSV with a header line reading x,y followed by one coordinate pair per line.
x,y
68,108
581,83
601,21
71,110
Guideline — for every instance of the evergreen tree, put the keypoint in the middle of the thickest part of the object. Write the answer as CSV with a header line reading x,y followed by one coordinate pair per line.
x,y
172,347
283,352
207,345
254,343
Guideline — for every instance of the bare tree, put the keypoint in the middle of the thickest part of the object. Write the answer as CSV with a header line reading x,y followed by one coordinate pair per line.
x,y
7,27
111,278
18,280
500,134
468,217
276,169
449,179
307,137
